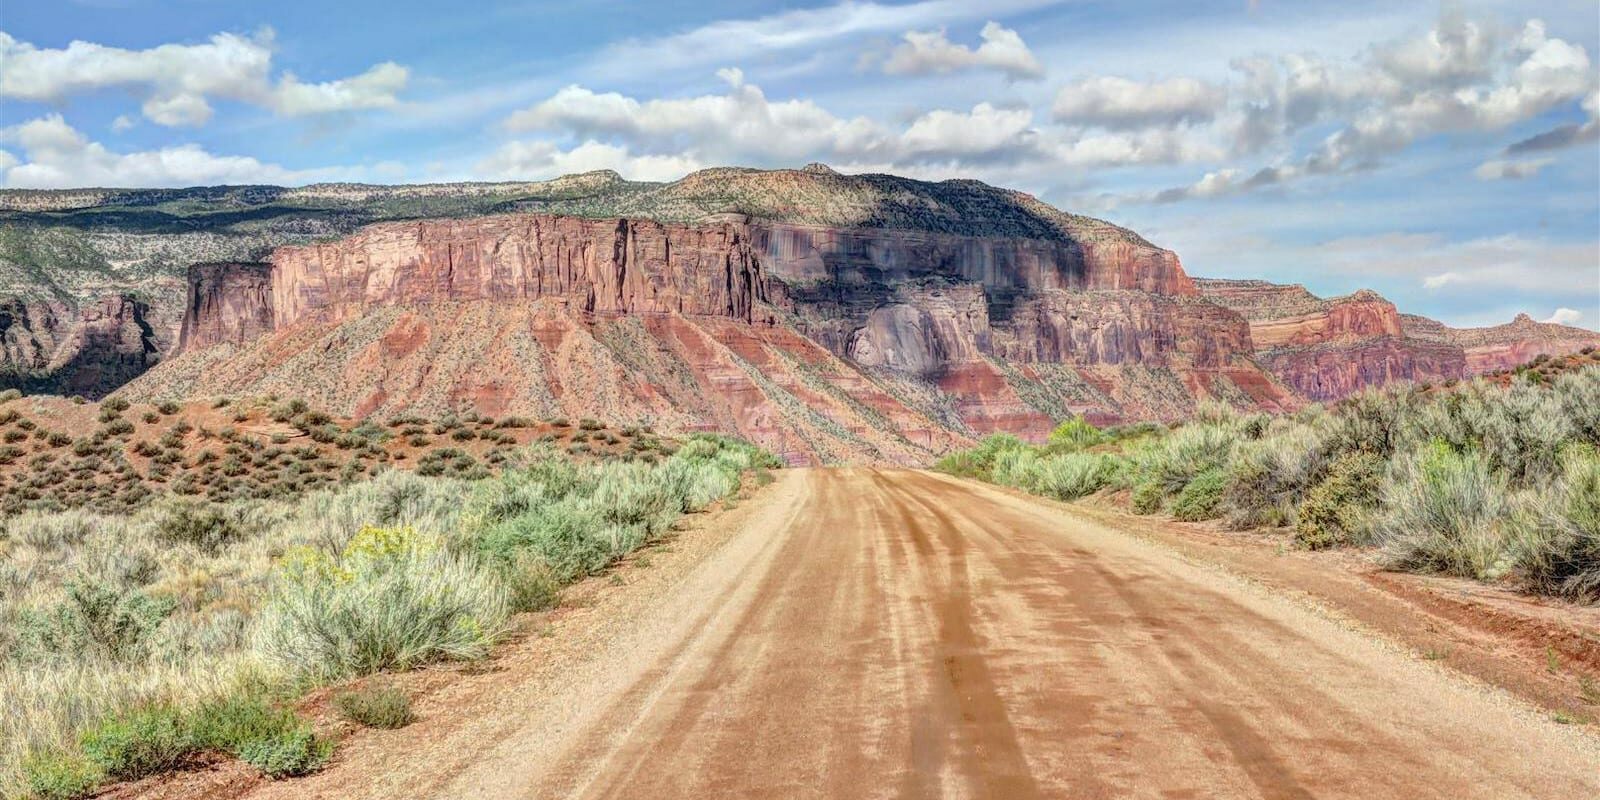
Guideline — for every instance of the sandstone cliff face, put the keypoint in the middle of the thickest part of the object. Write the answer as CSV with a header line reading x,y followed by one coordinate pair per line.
x,y
1326,349
597,266
228,302
1506,346
934,334
88,350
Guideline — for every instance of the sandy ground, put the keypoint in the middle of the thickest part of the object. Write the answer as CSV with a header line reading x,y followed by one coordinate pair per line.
x,y
867,633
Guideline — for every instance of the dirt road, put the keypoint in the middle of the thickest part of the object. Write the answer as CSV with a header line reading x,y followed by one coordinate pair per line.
x,y
900,634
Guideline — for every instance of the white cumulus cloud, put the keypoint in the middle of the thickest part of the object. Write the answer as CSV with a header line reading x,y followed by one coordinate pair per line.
x,y
1565,316
931,52
1113,102
1502,170
177,82
56,156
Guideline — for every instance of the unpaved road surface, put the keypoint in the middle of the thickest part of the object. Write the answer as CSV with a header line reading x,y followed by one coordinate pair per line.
x,y
894,633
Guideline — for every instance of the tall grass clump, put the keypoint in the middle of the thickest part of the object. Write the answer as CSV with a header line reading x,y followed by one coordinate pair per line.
x,y
1441,512
1074,475
391,599
1557,544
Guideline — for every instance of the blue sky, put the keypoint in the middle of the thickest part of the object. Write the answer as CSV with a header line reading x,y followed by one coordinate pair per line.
x,y
1446,155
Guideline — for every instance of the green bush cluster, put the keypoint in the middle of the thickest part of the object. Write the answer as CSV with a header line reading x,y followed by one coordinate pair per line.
x,y
152,739
1488,482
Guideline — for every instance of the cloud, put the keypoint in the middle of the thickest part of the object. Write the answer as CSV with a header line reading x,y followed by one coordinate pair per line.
x,y
1460,76
1547,72
378,87
738,126
1556,138
1567,135
1509,263
744,126
1119,103
538,159
805,29
58,156
1498,170
178,82
1564,316
929,52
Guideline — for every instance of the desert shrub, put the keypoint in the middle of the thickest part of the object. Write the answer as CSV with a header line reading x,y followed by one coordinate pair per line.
x,y
1073,475
143,742
9,395
514,422
1015,467
1519,430
14,436
1338,510
392,599
1371,420
59,775
117,427
1146,497
286,753
464,435
553,521
1440,513
590,424
168,408
94,619
1200,497
1557,547
1269,476
375,706
1076,434
1171,462
1578,394
979,461
202,525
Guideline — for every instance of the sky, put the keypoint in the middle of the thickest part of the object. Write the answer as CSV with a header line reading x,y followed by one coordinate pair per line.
x,y
1445,155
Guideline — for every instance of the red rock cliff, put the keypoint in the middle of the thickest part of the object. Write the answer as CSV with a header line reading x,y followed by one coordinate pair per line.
x,y
228,302
936,335
84,349
1328,348
597,266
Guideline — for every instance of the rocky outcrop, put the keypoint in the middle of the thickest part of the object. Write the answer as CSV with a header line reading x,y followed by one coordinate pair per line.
x,y
228,302
1325,349
1506,346
597,266
89,350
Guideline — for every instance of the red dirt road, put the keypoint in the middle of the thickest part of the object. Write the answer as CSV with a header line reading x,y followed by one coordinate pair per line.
x,y
894,633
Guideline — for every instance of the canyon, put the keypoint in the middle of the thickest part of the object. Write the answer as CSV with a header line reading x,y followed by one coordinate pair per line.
x,y
829,317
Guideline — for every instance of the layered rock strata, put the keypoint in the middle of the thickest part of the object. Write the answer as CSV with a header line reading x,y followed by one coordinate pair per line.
x,y
1326,349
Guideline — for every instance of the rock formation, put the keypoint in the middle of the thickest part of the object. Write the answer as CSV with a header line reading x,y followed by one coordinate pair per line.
x,y
1328,348
228,302
830,316
827,343
87,349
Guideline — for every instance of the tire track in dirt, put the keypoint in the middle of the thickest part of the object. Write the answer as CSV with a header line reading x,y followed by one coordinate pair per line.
x,y
891,633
